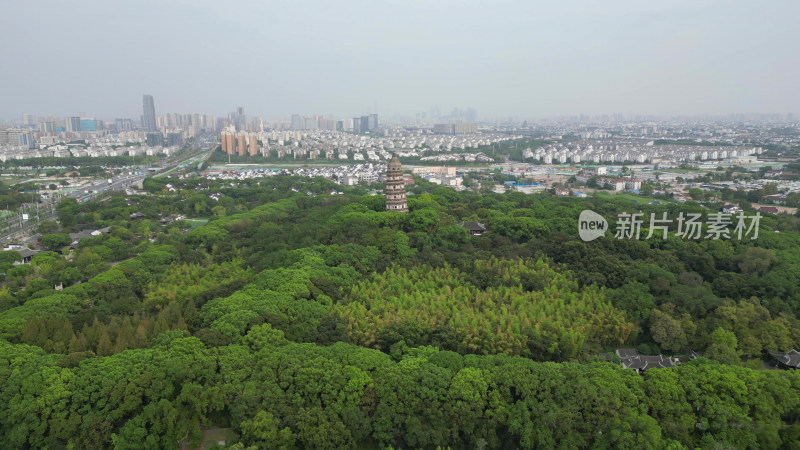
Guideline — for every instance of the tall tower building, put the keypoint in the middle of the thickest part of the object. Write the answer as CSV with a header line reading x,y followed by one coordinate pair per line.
x,y
241,143
297,122
395,186
47,127
228,140
88,124
239,119
256,125
252,146
155,139
223,141
149,118
73,124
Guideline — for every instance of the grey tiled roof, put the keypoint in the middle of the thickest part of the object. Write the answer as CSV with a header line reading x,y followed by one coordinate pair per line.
x,y
645,362
790,358
473,226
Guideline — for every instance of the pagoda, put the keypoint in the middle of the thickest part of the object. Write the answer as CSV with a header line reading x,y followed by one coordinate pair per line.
x,y
395,186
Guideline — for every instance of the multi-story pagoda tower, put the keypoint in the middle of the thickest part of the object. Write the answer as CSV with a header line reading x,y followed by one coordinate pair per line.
x,y
395,186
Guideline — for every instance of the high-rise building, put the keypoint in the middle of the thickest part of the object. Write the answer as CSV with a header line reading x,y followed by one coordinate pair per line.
x,y
223,141
174,139
373,122
327,124
19,137
364,124
27,140
123,125
73,124
239,119
221,123
253,143
209,122
395,186
256,125
88,124
47,127
149,117
155,139
228,140
241,143
297,122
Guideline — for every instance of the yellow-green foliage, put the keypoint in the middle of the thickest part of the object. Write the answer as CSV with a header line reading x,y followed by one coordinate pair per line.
x,y
557,320
187,281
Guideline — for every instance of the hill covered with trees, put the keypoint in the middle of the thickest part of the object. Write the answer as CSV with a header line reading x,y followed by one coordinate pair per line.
x,y
321,320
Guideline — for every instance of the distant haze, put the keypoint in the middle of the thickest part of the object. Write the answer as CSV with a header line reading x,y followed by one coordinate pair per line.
x,y
344,58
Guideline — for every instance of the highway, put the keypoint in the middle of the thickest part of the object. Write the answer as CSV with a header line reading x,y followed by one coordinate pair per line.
x,y
16,228
47,210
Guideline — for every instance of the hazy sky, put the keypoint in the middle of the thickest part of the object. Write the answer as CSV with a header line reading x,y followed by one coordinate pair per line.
x,y
345,58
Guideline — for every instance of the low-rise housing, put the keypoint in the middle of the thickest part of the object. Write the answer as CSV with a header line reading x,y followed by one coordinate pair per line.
x,y
633,183
615,184
778,199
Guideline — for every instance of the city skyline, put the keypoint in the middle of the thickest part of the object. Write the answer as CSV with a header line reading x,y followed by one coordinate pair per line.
x,y
513,59
28,118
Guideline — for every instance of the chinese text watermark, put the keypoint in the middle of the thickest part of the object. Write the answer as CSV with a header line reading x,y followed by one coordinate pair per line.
x,y
688,226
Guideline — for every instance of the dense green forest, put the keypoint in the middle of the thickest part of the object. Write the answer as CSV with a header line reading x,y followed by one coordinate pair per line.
x,y
299,320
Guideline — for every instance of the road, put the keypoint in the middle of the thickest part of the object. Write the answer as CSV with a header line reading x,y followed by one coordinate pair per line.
x,y
47,210
18,229
190,161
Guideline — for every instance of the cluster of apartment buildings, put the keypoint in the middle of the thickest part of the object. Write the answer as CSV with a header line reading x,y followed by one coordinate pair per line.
x,y
362,124
467,157
239,143
93,150
601,151
734,130
441,175
347,175
172,129
614,184
337,145
45,136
